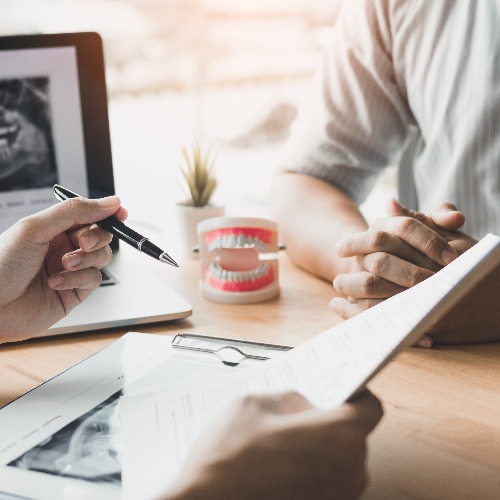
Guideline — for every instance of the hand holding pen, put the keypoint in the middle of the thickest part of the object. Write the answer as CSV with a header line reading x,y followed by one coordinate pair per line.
x,y
50,263
122,231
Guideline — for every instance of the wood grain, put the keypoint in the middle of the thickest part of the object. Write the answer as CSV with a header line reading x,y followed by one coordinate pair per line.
x,y
440,435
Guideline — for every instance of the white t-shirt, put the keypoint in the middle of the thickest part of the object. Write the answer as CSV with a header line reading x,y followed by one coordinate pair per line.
x,y
399,65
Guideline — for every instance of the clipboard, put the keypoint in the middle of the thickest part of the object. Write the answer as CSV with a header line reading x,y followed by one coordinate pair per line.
x,y
53,412
230,352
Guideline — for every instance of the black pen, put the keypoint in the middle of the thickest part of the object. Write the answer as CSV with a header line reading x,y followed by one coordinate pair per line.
x,y
121,231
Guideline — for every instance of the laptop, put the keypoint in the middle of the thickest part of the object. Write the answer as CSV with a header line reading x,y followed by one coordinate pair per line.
x,y
54,128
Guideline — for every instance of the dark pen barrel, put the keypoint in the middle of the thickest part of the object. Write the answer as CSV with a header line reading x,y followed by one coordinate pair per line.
x,y
122,231
133,238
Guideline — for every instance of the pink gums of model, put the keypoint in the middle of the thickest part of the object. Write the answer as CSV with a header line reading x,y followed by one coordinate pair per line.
x,y
238,259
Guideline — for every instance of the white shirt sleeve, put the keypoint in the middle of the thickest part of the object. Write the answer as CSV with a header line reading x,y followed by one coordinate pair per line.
x,y
355,121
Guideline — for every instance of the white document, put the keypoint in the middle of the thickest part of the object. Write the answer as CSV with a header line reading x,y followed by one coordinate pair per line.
x,y
62,440
159,428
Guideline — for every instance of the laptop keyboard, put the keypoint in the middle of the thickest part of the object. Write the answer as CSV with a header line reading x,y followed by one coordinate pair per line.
x,y
107,279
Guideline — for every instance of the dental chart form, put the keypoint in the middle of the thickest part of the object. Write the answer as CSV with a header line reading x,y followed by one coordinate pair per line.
x,y
159,428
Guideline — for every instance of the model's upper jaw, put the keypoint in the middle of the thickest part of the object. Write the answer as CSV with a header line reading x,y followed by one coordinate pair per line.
x,y
238,237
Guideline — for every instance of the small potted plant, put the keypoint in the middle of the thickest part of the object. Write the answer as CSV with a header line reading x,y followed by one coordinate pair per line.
x,y
199,182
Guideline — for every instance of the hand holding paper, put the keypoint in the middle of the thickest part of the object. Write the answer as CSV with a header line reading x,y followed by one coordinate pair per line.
x,y
327,370
262,442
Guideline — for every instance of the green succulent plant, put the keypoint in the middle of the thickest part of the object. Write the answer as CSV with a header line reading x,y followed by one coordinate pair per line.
x,y
198,172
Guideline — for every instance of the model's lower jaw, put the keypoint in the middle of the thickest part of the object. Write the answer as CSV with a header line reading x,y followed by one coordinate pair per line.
x,y
239,281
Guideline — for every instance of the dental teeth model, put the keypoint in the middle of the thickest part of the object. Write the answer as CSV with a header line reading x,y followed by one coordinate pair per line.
x,y
238,258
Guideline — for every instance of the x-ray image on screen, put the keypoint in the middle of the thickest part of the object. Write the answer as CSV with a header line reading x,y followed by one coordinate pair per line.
x,y
27,156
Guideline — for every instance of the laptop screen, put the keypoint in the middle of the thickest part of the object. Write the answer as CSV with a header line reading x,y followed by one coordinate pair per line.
x,y
53,121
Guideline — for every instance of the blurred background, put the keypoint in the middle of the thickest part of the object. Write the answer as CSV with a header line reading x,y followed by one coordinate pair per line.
x,y
231,71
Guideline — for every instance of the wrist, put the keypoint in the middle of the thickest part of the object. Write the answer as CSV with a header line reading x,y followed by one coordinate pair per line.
x,y
192,488
211,482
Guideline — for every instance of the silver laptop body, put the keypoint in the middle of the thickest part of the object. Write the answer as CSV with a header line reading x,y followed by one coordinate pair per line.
x,y
53,89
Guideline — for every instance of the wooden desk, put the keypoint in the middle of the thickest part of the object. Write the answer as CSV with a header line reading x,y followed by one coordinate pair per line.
x,y
439,438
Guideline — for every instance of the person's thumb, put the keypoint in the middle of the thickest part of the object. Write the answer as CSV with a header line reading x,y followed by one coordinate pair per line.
x,y
47,224
448,217
395,209
363,411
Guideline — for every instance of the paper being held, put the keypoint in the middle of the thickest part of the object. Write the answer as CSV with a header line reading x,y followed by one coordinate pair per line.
x,y
327,370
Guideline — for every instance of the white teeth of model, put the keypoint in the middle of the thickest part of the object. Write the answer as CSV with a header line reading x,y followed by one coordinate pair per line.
x,y
260,245
239,276
214,244
262,270
241,240
215,269
232,241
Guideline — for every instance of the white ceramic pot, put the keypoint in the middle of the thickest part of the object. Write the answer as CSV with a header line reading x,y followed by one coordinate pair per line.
x,y
188,218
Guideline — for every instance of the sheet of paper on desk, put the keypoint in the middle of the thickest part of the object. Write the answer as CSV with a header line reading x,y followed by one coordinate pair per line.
x,y
159,428
62,439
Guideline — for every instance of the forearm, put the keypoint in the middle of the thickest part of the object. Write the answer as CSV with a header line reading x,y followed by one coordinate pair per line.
x,y
313,216
198,488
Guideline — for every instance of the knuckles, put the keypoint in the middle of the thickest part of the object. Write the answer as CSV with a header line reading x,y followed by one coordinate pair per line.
x,y
380,263
76,205
369,284
108,255
27,227
379,240
407,225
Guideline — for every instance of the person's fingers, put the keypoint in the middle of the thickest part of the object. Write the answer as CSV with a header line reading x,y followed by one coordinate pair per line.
x,y
396,270
84,279
283,403
79,259
344,308
365,285
426,342
362,413
383,237
383,241
90,238
42,227
347,308
364,410
394,208
448,217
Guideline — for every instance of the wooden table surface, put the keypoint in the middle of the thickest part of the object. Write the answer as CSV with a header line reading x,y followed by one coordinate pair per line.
x,y
440,435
